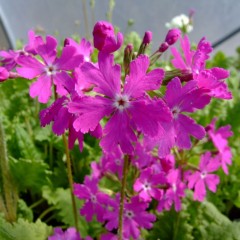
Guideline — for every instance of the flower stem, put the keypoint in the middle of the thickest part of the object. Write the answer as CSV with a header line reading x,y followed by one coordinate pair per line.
x,y
124,179
70,180
8,202
69,170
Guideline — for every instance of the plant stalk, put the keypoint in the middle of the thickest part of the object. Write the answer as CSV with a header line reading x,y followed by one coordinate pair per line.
x,y
69,171
70,180
123,188
9,199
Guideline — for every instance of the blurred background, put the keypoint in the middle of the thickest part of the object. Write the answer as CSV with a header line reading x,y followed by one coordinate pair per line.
x,y
63,18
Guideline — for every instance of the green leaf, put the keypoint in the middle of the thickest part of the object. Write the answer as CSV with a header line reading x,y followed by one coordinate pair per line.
x,y
29,174
61,199
26,144
172,225
24,230
23,211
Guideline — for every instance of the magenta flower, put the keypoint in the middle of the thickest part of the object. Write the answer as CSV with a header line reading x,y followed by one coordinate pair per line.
x,y
70,234
163,164
104,37
134,217
8,58
194,62
174,193
141,158
95,201
219,138
32,43
129,109
111,163
84,48
50,70
203,178
4,74
187,98
62,120
147,185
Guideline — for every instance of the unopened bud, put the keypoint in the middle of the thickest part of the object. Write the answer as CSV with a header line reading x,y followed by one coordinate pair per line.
x,y
147,37
128,52
66,42
163,47
172,36
104,37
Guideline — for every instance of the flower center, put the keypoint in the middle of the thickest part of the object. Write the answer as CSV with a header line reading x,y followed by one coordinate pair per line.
x,y
93,199
129,214
121,102
50,70
118,162
174,187
175,111
146,186
203,175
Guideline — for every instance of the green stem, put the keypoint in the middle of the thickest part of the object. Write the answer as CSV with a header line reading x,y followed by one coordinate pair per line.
x,y
70,180
69,173
121,209
44,213
9,199
176,226
37,203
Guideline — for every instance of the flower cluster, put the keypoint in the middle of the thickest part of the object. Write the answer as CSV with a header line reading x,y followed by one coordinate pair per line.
x,y
142,115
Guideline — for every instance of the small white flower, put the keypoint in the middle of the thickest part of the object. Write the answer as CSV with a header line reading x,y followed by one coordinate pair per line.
x,y
181,21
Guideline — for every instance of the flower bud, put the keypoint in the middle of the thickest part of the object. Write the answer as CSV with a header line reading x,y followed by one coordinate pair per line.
x,y
104,37
163,47
172,36
66,42
147,37
128,53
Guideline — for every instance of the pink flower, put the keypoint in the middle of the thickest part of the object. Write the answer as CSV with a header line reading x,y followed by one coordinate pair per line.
x,y
83,48
194,62
129,108
147,185
219,138
203,178
95,201
141,158
9,58
50,70
104,37
134,217
187,98
32,43
4,74
174,193
70,234
111,163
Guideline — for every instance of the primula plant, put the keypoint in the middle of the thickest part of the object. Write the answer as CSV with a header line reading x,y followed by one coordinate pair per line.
x,y
138,117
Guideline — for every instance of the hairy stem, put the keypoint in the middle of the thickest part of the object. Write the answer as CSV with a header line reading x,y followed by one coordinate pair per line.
x,y
10,197
69,172
121,209
70,180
